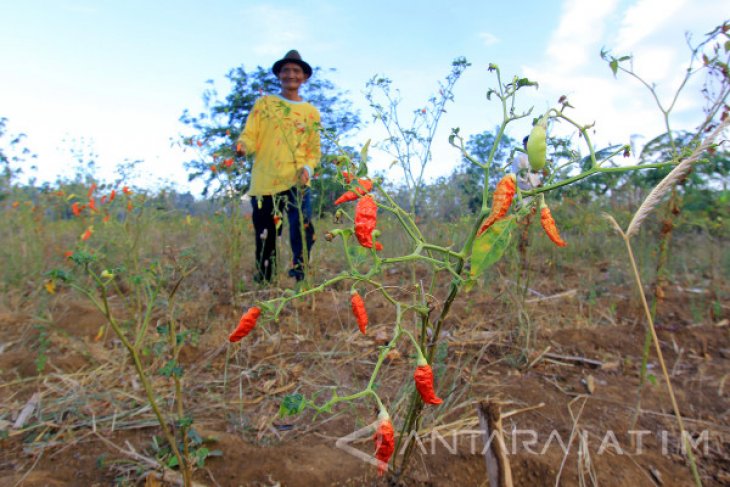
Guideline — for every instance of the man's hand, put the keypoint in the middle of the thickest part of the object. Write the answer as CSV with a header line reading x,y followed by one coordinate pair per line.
x,y
240,149
303,176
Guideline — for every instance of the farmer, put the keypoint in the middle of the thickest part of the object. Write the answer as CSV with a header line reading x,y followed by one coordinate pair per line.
x,y
282,135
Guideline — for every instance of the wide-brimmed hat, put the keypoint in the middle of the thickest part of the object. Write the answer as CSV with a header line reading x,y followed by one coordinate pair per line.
x,y
292,57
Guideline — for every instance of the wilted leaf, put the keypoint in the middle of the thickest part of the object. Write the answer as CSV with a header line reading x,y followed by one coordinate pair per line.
x,y
490,246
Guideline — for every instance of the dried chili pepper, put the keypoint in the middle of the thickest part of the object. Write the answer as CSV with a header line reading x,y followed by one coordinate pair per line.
x,y
245,325
548,224
366,214
384,441
501,201
424,382
358,309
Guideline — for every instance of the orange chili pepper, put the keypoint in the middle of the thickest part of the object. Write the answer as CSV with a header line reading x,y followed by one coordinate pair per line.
x,y
126,190
424,382
548,224
245,325
501,201
358,309
87,234
384,442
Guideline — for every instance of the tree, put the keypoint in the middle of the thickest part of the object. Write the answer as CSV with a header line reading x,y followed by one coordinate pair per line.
x,y
217,128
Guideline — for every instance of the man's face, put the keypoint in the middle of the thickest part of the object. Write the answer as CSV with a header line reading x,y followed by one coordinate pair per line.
x,y
291,76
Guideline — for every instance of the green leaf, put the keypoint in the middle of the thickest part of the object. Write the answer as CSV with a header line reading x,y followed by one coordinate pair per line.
x,y
614,66
363,169
651,378
172,462
490,246
200,455
292,404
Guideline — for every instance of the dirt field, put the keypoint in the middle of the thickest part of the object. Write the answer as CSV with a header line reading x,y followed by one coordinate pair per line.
x,y
90,418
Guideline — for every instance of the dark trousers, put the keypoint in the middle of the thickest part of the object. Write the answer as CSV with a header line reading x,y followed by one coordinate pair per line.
x,y
290,202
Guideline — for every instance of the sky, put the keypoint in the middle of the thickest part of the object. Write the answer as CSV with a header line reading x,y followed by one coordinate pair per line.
x,y
108,80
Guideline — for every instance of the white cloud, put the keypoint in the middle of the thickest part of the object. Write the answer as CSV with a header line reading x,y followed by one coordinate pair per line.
x,y
578,33
488,38
653,30
274,30
643,18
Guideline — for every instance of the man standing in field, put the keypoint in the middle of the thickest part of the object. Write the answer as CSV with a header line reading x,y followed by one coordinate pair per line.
x,y
282,135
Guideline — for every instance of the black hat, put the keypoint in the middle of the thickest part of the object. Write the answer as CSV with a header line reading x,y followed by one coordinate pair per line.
x,y
292,57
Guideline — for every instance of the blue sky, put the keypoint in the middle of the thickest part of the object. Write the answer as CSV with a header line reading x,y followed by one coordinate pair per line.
x,y
114,76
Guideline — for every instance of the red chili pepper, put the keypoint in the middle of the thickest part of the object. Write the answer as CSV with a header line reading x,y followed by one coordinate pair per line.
x,y
501,201
366,186
87,234
91,190
548,224
346,196
92,204
126,190
366,214
384,442
424,382
245,325
76,209
112,195
358,309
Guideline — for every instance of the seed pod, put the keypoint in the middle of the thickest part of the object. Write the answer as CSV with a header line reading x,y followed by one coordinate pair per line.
x,y
384,441
366,213
548,224
501,201
245,325
424,382
358,309
537,145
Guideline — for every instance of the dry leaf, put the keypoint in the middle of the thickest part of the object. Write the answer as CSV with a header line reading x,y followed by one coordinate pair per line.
x,y
393,356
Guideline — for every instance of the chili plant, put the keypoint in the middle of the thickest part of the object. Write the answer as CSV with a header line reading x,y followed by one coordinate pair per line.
x,y
490,231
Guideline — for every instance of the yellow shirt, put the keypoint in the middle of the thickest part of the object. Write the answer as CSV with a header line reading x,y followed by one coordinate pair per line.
x,y
283,137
